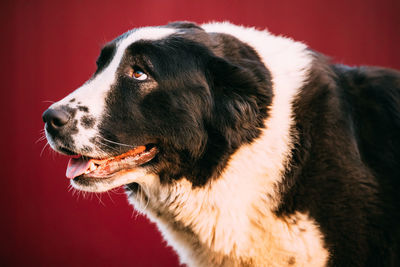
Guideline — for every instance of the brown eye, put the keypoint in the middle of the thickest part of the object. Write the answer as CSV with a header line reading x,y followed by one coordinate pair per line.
x,y
137,74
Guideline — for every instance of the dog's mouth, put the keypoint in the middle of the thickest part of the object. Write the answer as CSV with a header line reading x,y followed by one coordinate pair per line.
x,y
83,167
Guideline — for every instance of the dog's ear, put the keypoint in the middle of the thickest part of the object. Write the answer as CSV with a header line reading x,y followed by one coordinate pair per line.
x,y
242,93
184,25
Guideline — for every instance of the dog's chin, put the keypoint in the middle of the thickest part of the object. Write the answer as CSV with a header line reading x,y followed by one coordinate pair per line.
x,y
121,178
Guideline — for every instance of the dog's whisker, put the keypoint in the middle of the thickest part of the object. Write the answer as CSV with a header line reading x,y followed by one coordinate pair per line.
x,y
108,146
99,198
113,142
70,188
109,196
116,191
42,138
44,148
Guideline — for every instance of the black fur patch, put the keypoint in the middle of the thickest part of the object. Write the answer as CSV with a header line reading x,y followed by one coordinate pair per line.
x,y
200,110
106,55
83,108
88,121
346,165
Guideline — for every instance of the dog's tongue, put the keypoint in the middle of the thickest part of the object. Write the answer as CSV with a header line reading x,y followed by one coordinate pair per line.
x,y
76,167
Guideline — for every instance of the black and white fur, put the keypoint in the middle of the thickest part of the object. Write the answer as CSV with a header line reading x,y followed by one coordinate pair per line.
x,y
269,154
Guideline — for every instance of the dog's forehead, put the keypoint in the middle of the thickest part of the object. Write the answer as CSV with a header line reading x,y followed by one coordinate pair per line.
x,y
125,40
148,33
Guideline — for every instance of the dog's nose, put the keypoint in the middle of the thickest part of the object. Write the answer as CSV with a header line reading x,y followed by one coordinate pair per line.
x,y
55,118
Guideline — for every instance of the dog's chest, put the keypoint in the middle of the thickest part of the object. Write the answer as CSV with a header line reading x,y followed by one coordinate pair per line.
x,y
208,230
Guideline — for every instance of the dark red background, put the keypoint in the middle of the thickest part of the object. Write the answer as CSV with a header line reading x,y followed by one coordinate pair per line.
x,y
48,48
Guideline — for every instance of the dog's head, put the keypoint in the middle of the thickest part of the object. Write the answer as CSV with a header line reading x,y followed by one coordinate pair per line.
x,y
174,101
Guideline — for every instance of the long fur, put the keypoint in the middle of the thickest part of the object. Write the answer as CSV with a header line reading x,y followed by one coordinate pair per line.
x,y
269,154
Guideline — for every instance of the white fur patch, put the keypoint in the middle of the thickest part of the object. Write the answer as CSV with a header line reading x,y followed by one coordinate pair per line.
x,y
93,93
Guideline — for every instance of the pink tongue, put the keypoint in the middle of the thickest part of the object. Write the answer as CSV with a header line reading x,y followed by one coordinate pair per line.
x,y
77,167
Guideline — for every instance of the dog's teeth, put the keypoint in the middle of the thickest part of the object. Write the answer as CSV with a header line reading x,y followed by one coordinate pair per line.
x,y
92,166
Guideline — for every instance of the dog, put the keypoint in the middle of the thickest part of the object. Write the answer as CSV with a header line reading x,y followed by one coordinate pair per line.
x,y
245,148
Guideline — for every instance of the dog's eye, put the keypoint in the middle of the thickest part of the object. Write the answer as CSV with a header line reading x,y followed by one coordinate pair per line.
x,y
137,74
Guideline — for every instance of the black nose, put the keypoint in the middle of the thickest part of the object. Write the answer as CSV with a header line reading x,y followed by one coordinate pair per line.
x,y
55,118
